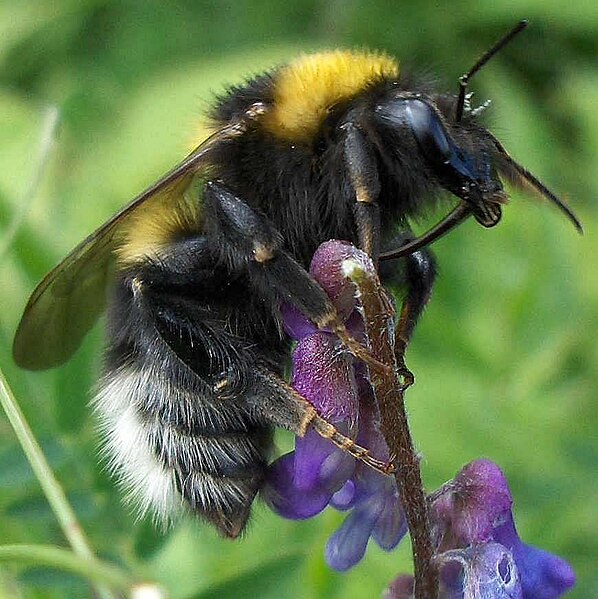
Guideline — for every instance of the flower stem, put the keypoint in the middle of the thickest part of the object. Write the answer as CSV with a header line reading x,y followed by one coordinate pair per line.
x,y
48,132
378,314
65,560
50,485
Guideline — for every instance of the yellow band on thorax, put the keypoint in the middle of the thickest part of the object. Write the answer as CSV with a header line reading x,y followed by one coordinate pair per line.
x,y
306,89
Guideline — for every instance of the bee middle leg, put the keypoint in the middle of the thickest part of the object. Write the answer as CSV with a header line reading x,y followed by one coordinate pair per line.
x,y
284,407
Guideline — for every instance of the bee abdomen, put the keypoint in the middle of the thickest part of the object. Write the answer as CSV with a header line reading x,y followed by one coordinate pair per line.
x,y
174,449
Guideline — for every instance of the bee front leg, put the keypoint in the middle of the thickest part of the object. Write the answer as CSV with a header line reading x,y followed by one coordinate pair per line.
x,y
415,273
274,399
363,175
246,241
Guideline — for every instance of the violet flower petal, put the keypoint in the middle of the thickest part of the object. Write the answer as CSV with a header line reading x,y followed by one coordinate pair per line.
x,y
281,494
400,588
343,499
300,484
391,525
474,503
379,516
316,473
326,269
347,545
488,572
543,575
323,374
319,464
296,325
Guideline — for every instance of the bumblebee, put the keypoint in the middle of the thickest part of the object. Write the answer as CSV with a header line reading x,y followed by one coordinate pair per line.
x,y
193,271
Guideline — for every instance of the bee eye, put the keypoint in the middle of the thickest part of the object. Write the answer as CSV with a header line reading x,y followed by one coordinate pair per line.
x,y
423,123
428,131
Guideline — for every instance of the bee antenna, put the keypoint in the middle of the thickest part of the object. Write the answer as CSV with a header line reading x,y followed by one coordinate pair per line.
x,y
538,185
464,79
535,182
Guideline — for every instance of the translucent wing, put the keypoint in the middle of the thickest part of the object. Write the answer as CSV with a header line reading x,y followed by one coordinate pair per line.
x,y
68,301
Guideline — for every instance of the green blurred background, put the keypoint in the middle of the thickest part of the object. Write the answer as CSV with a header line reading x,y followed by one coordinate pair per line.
x,y
505,358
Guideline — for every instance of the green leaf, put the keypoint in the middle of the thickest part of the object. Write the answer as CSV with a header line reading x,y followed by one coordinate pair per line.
x,y
148,539
275,579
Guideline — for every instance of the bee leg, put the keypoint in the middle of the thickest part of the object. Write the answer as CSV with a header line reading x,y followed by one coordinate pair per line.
x,y
363,175
245,240
284,407
414,275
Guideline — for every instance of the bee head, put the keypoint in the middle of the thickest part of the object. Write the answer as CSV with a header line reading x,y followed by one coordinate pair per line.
x,y
460,158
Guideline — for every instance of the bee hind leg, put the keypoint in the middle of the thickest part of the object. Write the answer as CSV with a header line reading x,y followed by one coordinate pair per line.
x,y
284,407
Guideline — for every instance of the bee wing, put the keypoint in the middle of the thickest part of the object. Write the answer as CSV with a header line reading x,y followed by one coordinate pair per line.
x,y
70,298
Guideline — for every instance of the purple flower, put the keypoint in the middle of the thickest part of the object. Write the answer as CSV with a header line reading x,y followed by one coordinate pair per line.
x,y
478,551
485,571
302,483
472,514
372,498
400,588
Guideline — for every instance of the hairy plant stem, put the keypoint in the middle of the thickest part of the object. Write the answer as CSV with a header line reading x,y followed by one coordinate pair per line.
x,y
378,313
